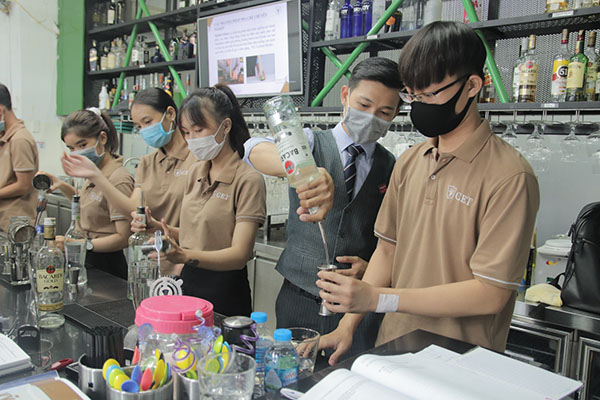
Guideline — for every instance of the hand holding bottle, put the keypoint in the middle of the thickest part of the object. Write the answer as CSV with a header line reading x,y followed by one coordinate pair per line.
x,y
316,193
138,225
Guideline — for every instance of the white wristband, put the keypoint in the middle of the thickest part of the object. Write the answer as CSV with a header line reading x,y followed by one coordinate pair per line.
x,y
387,303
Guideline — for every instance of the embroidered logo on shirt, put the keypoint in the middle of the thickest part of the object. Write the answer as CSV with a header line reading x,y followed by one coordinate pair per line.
x,y
96,196
453,193
220,195
180,172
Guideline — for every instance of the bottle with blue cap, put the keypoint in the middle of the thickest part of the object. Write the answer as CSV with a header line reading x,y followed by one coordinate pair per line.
x,y
265,340
281,362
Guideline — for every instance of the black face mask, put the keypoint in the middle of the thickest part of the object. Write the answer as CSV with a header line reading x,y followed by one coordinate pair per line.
x,y
433,120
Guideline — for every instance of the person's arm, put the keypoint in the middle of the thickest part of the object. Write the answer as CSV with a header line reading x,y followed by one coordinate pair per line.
x,y
19,188
114,242
228,259
264,157
81,167
378,273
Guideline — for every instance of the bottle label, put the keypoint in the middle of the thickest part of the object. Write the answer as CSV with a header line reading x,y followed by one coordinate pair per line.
x,y
259,355
50,307
50,279
590,77
293,150
275,379
560,71
576,75
556,5
516,80
49,232
330,22
529,73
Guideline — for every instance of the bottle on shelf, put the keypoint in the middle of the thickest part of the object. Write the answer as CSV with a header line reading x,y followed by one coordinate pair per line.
x,y
104,59
591,75
357,19
419,13
556,5
577,71
111,13
135,54
75,252
488,90
577,4
409,16
145,52
265,340
517,70
560,69
192,45
50,280
120,12
432,11
103,99
367,15
529,74
173,48
111,57
346,20
93,57
332,20
157,57
119,53
281,362
398,18
141,268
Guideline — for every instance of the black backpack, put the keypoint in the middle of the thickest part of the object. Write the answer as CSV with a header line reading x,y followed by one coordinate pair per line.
x,y
581,288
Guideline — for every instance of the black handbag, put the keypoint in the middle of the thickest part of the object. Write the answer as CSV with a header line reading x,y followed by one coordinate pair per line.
x,y
581,288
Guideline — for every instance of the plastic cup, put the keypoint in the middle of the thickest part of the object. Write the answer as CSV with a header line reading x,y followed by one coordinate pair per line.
x,y
234,382
306,343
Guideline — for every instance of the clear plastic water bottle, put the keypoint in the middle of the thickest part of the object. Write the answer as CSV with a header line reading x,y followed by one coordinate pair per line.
x,y
281,362
262,345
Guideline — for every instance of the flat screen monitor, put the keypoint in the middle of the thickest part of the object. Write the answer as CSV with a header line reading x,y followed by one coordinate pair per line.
x,y
256,51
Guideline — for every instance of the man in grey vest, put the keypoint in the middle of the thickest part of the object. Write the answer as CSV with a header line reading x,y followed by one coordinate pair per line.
x,y
360,169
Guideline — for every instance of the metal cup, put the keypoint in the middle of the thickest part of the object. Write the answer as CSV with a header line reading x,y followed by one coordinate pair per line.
x,y
91,381
162,393
323,311
185,388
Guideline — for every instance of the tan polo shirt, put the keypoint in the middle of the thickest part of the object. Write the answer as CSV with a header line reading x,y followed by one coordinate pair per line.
x,y
210,210
163,179
97,215
18,153
467,214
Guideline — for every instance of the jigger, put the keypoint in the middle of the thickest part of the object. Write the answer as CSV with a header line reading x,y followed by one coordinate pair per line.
x,y
323,311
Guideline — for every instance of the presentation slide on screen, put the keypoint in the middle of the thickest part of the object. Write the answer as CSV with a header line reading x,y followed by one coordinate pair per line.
x,y
248,50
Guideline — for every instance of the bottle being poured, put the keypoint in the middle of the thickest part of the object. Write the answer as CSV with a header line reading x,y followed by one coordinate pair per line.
x,y
294,151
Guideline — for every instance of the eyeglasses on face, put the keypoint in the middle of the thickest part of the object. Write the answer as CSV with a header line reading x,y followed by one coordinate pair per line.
x,y
409,97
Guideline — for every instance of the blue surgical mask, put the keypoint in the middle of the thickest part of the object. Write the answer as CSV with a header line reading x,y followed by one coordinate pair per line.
x,y
155,135
91,153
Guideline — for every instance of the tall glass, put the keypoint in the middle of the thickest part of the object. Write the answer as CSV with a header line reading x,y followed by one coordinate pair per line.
x,y
226,376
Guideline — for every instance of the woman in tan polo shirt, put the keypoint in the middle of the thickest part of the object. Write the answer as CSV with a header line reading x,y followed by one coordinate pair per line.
x,y
223,204
161,175
91,135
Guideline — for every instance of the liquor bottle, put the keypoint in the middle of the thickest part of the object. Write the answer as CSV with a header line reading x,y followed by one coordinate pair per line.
x,y
478,10
556,5
111,13
157,57
517,70
120,14
119,53
346,20
409,16
432,12
379,8
367,14
560,70
75,250
332,20
141,268
357,19
577,71
135,60
577,4
103,99
104,59
529,74
50,280
292,145
419,13
145,51
112,57
488,91
173,46
398,19
93,57
592,68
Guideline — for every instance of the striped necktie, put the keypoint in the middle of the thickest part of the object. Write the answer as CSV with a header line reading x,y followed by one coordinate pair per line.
x,y
350,168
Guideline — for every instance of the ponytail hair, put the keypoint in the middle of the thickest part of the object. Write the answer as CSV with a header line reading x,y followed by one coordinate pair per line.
x,y
219,102
88,124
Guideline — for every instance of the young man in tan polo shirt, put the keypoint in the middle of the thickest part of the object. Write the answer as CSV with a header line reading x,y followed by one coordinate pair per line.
x,y
18,164
456,222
